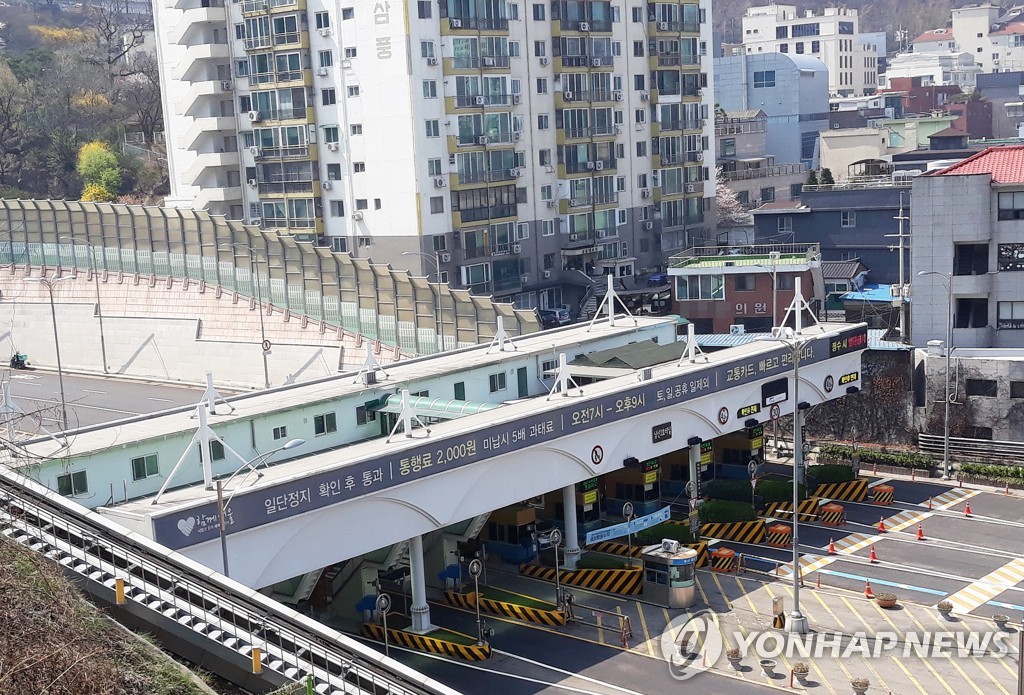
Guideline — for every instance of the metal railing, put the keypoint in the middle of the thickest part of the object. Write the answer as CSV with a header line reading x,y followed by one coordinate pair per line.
x,y
747,254
962,447
863,183
764,172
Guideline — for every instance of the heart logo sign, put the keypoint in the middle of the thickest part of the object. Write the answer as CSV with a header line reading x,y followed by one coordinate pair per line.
x,y
186,525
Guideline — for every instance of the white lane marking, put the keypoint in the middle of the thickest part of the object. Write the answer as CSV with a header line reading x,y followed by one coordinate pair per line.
x,y
880,481
91,391
988,587
161,400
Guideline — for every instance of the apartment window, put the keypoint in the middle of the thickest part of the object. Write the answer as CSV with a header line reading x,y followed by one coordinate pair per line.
x,y
641,180
785,225
546,193
497,382
513,12
640,116
426,49
800,47
337,208
1010,316
513,49
326,58
1017,389
620,151
544,157
357,129
745,283
641,148
359,167
433,128
782,32
638,82
616,48
638,15
787,281
728,147
429,89
364,242
364,416
638,48
328,96
764,78
433,167
691,287
144,467
362,204
620,183
985,388
768,194
539,48
538,12
333,172
971,312
280,432
542,121
522,231
970,259
325,424
815,46
542,85
783,48
76,483
348,13
353,91
351,52
436,205
547,228
423,9
376,204
439,242
323,20
216,450
331,133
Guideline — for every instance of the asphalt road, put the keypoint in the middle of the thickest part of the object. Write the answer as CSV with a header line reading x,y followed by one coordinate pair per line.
x,y
90,400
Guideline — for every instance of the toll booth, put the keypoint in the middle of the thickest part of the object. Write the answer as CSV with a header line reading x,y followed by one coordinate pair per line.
x,y
669,574
589,507
675,469
639,482
510,533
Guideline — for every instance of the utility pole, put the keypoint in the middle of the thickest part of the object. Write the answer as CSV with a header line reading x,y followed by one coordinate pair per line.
x,y
899,299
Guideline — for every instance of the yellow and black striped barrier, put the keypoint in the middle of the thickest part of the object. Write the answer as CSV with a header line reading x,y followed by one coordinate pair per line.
x,y
883,494
425,643
613,548
851,490
832,514
529,614
626,582
808,509
778,536
703,559
722,560
739,531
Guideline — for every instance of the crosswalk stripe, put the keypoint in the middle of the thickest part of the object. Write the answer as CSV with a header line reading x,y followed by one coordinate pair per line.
x,y
950,498
988,587
808,564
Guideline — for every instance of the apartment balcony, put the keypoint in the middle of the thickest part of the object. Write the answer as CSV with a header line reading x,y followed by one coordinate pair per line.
x,y
765,172
196,18
289,223
677,27
209,160
564,135
562,99
586,26
456,25
216,194
271,189
296,114
199,90
583,61
197,54
586,167
207,125
261,153
679,126
476,101
593,200
257,7
461,218
506,249
481,140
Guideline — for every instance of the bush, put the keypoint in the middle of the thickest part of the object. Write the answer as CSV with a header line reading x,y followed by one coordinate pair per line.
x,y
993,472
655,534
841,452
779,491
725,511
830,473
737,490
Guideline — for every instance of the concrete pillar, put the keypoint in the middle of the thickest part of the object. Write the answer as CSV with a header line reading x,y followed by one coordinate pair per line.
x,y
572,541
420,610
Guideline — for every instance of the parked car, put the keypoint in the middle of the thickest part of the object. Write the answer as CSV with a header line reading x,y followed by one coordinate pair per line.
x,y
552,318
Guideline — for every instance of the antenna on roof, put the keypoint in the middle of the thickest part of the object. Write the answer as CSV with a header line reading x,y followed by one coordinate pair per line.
x,y
610,300
692,349
370,367
563,379
211,396
501,337
406,418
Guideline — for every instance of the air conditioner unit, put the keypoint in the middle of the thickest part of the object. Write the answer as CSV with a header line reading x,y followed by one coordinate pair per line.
x,y
737,329
590,166
357,215
523,279
567,96
617,95
551,203
255,116
645,193
574,237
700,156
516,98
322,72
253,183
445,257
332,146
544,61
455,23
596,62
618,130
643,96
258,221
517,136
482,140
431,61
690,188
326,31
669,546
517,248
662,26
599,165
648,225
488,62
227,85
584,26
255,152
573,202
479,101
439,182
700,92
547,274
656,178
515,173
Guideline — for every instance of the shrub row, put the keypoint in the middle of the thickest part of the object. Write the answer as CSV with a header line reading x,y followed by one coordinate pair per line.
x,y
830,473
841,452
992,471
726,511
739,490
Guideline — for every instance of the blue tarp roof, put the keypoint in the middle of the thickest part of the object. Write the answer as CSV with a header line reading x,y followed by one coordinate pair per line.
x,y
722,340
870,293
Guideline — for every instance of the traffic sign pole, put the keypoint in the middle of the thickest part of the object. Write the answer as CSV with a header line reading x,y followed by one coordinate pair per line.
x,y
627,513
383,606
475,568
556,540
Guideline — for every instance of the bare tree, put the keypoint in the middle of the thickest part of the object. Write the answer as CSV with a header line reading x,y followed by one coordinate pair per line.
x,y
118,32
141,94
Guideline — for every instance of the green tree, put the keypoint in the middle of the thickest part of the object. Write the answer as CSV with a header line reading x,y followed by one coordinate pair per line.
x,y
98,167
812,178
826,177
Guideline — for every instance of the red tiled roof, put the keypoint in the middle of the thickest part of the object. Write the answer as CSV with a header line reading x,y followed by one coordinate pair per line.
x,y
1005,164
934,35
1009,29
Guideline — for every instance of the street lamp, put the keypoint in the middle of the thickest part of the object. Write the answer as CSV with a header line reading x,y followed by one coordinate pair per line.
x,y
259,300
439,324
774,257
222,504
99,309
48,283
949,352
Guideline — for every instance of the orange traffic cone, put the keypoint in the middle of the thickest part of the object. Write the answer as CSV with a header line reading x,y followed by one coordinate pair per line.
x,y
831,547
967,509
818,574
920,533
929,504
867,589
913,475
871,556
881,525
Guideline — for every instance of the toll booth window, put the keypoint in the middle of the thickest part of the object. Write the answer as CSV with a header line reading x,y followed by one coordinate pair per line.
x,y
656,577
680,574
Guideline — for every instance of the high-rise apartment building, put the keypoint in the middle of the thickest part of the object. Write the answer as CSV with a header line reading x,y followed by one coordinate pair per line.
x,y
525,149
831,35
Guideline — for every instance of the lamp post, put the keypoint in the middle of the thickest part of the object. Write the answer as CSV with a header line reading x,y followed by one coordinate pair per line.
x,y
773,270
99,308
439,324
259,300
947,474
223,505
48,283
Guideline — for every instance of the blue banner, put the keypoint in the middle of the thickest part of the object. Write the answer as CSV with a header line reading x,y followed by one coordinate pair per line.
x,y
634,525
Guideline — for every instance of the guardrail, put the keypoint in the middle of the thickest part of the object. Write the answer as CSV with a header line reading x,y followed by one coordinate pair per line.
x,y
962,447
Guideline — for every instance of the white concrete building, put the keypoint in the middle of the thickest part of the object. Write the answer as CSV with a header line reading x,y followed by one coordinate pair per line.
x,y
510,145
936,68
995,38
832,36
